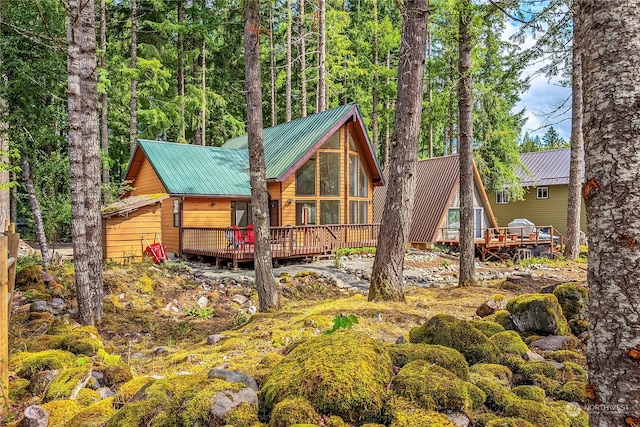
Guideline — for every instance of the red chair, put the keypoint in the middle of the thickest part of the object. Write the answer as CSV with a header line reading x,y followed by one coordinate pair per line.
x,y
249,236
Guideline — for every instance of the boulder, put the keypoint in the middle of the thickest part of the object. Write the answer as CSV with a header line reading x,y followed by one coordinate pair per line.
x,y
292,411
493,304
234,377
540,313
551,343
40,381
68,383
459,419
573,299
223,402
214,339
532,356
35,416
445,357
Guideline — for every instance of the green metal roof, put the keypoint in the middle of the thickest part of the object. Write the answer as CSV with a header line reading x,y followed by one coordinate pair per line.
x,y
286,143
198,170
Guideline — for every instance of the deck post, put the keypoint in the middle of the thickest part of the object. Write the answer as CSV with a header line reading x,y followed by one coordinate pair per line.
x,y
14,245
4,322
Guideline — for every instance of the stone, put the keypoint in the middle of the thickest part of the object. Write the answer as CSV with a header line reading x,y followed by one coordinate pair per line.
x,y
539,313
239,299
533,356
136,356
551,343
557,365
40,381
47,277
105,392
234,377
459,419
58,303
401,340
202,302
225,401
490,306
40,306
35,416
159,351
214,339
252,310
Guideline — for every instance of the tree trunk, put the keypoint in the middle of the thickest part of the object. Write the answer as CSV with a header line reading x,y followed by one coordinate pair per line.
x,y
611,87
303,59
387,277
203,81
572,248
430,91
287,66
84,159
5,164
272,71
465,149
387,107
37,213
265,284
182,137
322,51
104,127
375,130
133,126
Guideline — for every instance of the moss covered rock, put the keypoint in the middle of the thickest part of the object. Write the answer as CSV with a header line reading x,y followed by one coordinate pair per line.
x,y
26,364
493,371
529,392
68,383
550,386
28,276
512,362
527,370
336,421
509,422
537,413
578,326
96,414
566,356
19,388
573,299
498,396
503,318
61,411
578,417
87,397
483,419
116,375
539,313
403,413
487,327
574,391
264,367
458,334
344,373
573,372
295,410
432,387
127,390
445,357
510,342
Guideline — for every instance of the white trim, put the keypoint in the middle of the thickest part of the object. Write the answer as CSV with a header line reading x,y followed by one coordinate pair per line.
x,y
544,191
504,196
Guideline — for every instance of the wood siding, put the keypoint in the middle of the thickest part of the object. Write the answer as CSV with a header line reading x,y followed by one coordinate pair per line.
x,y
147,182
206,212
551,211
170,234
123,235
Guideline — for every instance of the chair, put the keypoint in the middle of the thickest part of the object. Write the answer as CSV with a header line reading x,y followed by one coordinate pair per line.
x,y
249,235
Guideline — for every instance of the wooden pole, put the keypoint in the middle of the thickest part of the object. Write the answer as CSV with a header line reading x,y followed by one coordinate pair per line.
x,y
4,322
14,245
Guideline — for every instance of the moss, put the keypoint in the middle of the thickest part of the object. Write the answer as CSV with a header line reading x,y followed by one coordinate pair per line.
x,y
420,418
244,415
445,357
483,419
509,422
493,371
18,388
537,413
108,359
87,397
61,411
68,383
119,374
573,299
28,276
94,415
541,312
335,421
35,295
264,367
27,364
372,425
478,397
487,327
550,386
574,391
531,337
60,326
512,362
131,387
498,396
322,368
503,318
529,392
566,356
578,417
527,370
510,342
294,410
578,326
432,387
448,331
573,372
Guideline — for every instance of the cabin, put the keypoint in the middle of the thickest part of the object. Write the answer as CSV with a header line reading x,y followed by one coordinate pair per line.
x,y
544,175
321,172
436,212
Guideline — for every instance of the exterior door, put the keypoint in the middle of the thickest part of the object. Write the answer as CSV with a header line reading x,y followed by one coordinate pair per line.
x,y
274,214
478,223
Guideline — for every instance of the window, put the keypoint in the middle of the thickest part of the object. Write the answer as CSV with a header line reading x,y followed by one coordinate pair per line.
x,y
305,213
502,197
306,178
358,179
176,213
352,144
453,219
329,212
363,181
333,142
241,213
358,212
364,212
329,174
543,192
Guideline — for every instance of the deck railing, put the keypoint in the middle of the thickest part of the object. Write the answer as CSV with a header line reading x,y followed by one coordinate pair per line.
x,y
286,242
508,236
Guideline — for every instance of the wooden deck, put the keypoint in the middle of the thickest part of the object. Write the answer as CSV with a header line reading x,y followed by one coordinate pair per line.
x,y
505,242
235,245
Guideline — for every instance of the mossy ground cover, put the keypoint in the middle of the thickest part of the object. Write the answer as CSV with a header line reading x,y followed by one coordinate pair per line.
x,y
136,322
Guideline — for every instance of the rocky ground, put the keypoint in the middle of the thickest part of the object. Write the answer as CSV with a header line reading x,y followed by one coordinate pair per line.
x,y
189,319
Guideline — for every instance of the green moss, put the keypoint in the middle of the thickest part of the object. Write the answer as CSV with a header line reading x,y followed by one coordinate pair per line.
x,y
87,397
18,388
510,342
530,337
527,370
322,368
61,326
509,422
529,392
445,357
578,417
512,362
483,419
574,391
61,411
264,367
478,397
493,371
68,383
566,356
119,374
35,295
537,413
487,327
128,389
503,318
432,387
372,425
28,276
27,364
245,415
448,331
573,299
550,386
420,418
578,326
294,410
573,372
541,311
498,396
94,415
335,421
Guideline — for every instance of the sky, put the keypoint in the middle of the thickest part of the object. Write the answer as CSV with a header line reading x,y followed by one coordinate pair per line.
x,y
543,98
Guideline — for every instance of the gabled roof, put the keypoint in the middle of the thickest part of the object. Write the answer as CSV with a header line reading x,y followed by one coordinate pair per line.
x,y
186,169
127,205
544,168
437,181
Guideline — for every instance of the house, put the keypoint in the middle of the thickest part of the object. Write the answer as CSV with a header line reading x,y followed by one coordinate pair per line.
x,y
321,171
436,211
544,175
